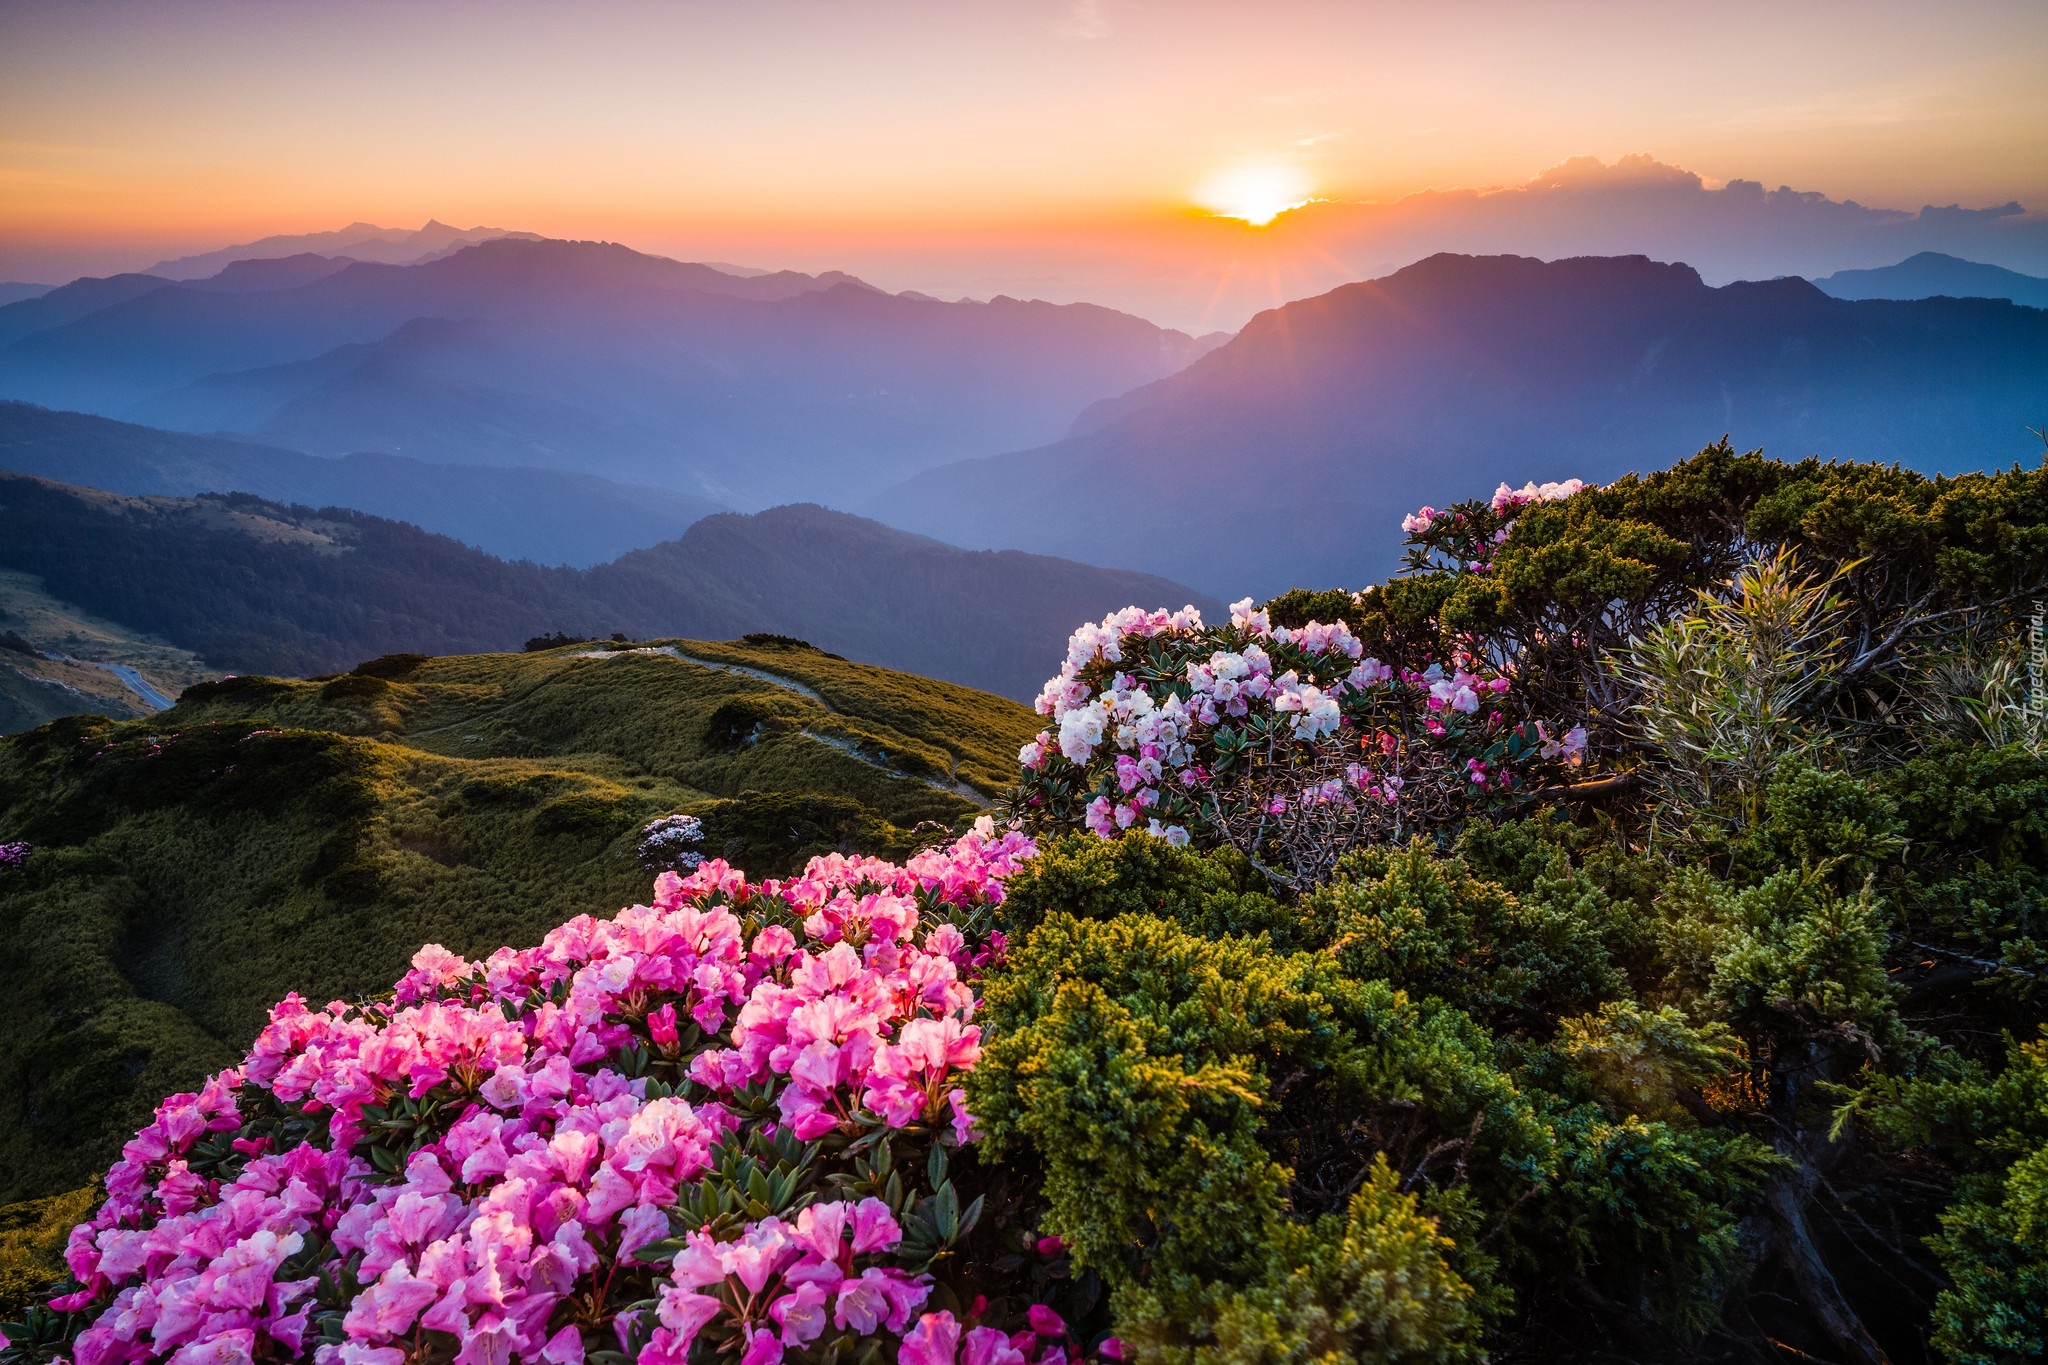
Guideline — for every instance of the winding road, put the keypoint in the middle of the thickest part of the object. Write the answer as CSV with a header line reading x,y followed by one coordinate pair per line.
x,y
130,679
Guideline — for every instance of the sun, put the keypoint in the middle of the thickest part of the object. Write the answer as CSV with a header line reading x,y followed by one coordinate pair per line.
x,y
1256,194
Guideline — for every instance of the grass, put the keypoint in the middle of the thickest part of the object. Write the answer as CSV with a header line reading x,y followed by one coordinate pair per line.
x,y
32,1235
977,732
266,836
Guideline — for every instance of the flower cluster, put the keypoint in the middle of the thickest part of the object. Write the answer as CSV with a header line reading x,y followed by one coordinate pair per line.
x,y
679,1126
14,855
1506,498
1286,743
670,844
1470,533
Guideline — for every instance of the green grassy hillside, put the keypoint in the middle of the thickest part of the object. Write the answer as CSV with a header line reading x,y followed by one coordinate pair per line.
x,y
266,836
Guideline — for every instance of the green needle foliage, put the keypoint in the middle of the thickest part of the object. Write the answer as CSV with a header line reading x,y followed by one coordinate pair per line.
x,y
1221,1119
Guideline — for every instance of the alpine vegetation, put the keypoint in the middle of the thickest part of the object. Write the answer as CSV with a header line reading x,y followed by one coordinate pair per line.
x,y
1619,935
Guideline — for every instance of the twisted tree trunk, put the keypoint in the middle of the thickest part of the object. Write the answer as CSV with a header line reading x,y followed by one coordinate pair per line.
x,y
1812,1153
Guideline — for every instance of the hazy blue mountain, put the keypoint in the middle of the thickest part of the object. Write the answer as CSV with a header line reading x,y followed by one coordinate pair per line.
x,y
1931,274
361,241
253,586
68,303
14,291
751,390
1288,456
276,272
550,516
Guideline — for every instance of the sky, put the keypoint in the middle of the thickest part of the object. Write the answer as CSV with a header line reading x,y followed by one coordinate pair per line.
x,y
1067,149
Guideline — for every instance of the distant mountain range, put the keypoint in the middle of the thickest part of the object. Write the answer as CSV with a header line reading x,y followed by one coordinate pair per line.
x,y
549,516
1931,274
1288,456
748,390
357,241
254,586
569,401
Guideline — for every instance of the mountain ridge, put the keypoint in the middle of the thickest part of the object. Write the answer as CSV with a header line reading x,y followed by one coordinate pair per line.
x,y
394,246
253,586
550,516
750,390
1930,274
1254,468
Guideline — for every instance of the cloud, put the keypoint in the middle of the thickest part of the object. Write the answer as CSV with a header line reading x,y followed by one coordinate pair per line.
x,y
1639,205
1084,20
1582,206
1954,213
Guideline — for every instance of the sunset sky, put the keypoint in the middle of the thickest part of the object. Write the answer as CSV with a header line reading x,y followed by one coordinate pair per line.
x,y
1055,147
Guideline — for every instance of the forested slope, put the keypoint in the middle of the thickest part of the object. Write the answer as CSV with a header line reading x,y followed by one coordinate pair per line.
x,y
256,586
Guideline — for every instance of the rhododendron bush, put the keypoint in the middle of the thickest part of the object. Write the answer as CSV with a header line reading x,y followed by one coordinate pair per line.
x,y
724,1124
1290,745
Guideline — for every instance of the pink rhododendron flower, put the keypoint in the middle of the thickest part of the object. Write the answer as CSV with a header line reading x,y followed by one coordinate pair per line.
x,y
551,1159
934,1341
1045,1322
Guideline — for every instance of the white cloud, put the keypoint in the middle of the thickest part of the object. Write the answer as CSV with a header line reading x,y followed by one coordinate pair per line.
x,y
1084,20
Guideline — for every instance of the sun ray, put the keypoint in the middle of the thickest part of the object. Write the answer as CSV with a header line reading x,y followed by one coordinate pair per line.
x,y
1256,194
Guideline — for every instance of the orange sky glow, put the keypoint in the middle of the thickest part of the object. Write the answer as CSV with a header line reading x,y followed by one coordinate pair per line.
x,y
1056,147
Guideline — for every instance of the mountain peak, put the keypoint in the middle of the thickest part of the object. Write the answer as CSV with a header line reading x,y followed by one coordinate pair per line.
x,y
1445,378
1929,274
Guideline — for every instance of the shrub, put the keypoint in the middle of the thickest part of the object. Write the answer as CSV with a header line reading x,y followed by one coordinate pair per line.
x,y
1428,926
1284,744
728,1116
1724,694
669,844
1993,1241
772,834
32,1237
1204,1103
390,667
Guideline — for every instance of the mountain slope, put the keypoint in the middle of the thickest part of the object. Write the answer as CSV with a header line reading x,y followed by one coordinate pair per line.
x,y
252,586
77,663
1290,454
550,516
987,618
271,272
263,837
749,390
68,303
1930,274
